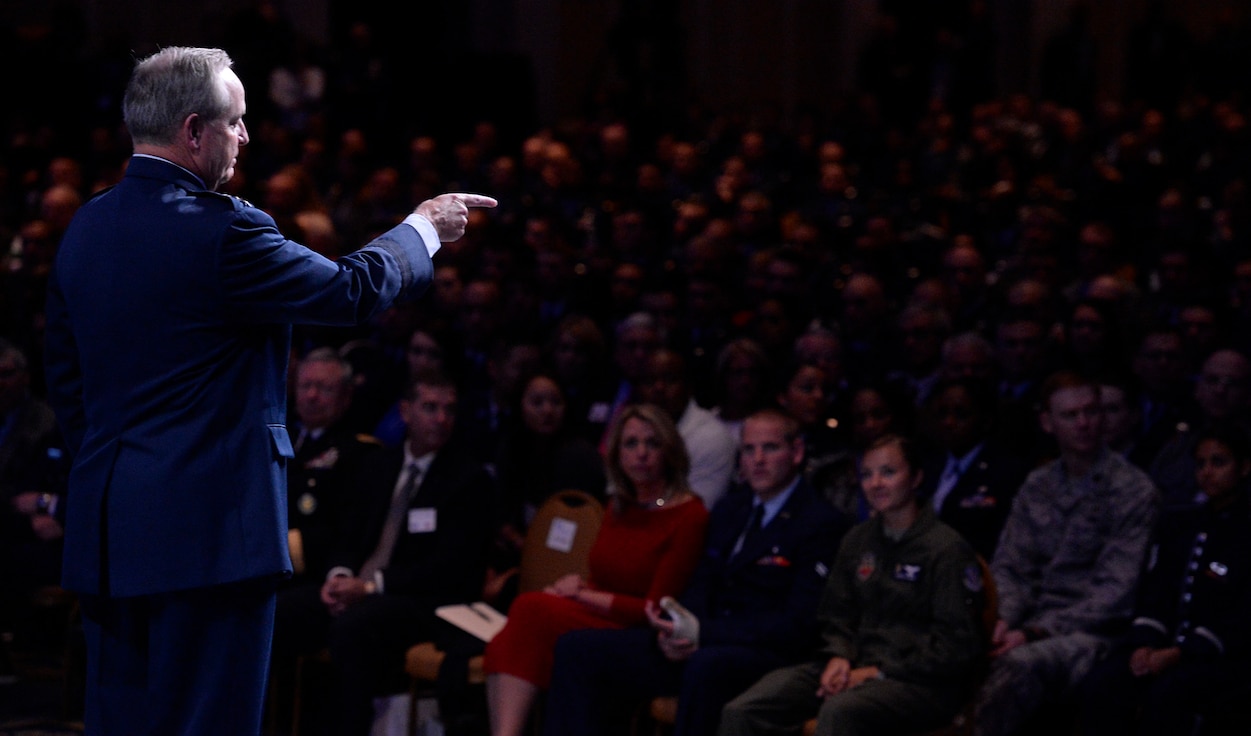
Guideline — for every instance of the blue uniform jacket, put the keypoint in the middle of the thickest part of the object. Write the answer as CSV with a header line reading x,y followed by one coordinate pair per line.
x,y
1196,592
168,335
767,595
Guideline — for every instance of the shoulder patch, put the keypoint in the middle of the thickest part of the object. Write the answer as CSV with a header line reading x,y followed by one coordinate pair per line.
x,y
233,199
228,202
972,578
864,570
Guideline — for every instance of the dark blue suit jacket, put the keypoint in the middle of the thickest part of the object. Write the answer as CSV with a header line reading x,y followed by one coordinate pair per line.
x,y
978,505
446,564
767,594
168,335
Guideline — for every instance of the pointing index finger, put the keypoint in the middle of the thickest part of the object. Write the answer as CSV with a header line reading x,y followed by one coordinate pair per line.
x,y
476,200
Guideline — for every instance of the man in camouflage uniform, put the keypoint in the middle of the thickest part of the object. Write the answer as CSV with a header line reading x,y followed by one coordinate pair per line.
x,y
1068,561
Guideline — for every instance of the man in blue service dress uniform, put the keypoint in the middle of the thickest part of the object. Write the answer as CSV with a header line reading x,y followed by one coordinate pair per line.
x,y
168,336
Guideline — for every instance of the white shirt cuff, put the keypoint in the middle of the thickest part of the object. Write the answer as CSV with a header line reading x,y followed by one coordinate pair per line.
x,y
426,230
339,571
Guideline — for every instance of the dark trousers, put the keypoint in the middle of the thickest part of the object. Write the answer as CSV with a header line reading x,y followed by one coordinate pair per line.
x,y
187,663
1116,703
598,671
367,644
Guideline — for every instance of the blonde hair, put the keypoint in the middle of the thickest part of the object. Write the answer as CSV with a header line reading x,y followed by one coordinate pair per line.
x,y
675,460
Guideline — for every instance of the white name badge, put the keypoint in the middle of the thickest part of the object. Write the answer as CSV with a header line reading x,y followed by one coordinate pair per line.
x,y
561,533
422,521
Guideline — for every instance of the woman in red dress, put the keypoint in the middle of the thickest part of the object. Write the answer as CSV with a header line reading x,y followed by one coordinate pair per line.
x,y
647,548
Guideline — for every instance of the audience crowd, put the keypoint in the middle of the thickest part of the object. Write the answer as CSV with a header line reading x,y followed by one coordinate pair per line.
x,y
1049,297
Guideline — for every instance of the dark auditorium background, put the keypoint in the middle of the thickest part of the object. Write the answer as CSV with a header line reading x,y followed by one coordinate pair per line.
x,y
546,59
702,71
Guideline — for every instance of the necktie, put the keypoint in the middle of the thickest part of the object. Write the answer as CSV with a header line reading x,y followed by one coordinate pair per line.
x,y
391,527
750,530
946,483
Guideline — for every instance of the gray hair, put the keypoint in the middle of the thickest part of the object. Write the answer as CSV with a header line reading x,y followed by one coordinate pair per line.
x,y
329,355
171,84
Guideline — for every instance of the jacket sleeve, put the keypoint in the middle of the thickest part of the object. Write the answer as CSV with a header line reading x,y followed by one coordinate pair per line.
x,y
838,613
268,278
1015,568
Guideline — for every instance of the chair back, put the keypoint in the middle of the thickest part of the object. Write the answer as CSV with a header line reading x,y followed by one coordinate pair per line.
x,y
990,607
559,538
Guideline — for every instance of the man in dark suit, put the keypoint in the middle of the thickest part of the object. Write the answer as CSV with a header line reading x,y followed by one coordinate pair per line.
x,y
970,476
417,539
329,455
168,334
754,595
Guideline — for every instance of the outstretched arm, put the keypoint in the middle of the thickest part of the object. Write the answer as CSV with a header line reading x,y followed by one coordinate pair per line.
x,y
449,213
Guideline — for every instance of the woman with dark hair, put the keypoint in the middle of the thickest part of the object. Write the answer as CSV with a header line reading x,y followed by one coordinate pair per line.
x,y
800,391
577,351
1188,650
901,619
876,408
647,548
871,410
539,455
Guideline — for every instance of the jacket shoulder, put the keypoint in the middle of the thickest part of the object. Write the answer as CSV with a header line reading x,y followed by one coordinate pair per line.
x,y
222,201
101,193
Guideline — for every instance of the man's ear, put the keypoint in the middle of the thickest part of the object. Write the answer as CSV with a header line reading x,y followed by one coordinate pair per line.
x,y
192,129
1044,420
797,450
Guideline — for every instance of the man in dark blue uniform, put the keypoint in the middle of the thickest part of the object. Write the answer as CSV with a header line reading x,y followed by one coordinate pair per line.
x,y
754,595
168,334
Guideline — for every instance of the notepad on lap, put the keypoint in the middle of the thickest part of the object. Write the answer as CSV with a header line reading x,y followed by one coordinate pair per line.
x,y
478,618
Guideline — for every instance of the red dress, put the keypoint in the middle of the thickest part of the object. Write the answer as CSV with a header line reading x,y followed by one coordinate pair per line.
x,y
638,555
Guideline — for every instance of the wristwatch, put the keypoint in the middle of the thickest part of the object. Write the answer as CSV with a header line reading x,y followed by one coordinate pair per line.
x,y
44,502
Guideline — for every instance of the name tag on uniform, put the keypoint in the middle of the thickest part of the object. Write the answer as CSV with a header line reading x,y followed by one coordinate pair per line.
x,y
422,521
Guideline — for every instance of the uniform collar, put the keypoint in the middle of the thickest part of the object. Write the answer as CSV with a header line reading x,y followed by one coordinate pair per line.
x,y
149,166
